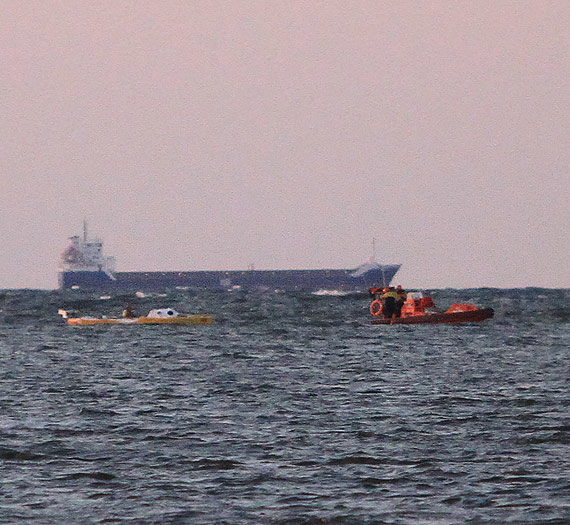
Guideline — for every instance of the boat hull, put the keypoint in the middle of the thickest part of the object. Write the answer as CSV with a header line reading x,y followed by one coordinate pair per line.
x,y
472,316
287,280
182,320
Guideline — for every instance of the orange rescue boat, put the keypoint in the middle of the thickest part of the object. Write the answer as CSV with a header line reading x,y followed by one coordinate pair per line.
x,y
418,309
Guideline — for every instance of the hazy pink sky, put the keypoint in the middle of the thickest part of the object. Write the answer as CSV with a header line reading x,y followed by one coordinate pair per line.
x,y
216,134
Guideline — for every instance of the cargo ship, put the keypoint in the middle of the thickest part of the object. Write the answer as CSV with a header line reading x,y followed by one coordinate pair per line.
x,y
84,267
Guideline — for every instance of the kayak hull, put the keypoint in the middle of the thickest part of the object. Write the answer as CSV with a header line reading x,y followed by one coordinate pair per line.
x,y
472,316
180,320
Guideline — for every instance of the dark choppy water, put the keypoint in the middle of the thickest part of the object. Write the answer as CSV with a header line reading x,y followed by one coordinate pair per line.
x,y
291,409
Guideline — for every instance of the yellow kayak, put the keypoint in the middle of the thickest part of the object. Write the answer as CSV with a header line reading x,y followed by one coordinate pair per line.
x,y
160,316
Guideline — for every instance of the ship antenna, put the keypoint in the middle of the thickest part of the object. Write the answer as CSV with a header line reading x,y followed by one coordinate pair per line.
x,y
84,230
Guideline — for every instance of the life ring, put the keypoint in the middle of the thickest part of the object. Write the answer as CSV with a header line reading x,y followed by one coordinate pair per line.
x,y
376,307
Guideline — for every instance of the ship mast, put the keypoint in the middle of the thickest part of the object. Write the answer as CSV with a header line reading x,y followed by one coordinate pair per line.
x,y
84,230
373,261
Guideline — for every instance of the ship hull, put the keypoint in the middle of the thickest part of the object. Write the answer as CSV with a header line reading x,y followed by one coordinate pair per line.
x,y
287,280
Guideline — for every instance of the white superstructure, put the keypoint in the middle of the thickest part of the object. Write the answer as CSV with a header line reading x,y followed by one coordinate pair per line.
x,y
86,255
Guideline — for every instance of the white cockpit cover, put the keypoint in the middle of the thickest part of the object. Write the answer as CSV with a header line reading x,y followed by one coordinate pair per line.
x,y
163,313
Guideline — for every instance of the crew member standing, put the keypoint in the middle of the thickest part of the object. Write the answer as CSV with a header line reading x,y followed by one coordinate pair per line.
x,y
400,300
389,298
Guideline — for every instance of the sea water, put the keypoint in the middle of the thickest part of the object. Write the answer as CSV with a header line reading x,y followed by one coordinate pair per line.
x,y
291,408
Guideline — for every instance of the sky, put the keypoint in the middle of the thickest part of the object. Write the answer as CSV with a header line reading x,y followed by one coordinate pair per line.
x,y
211,134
